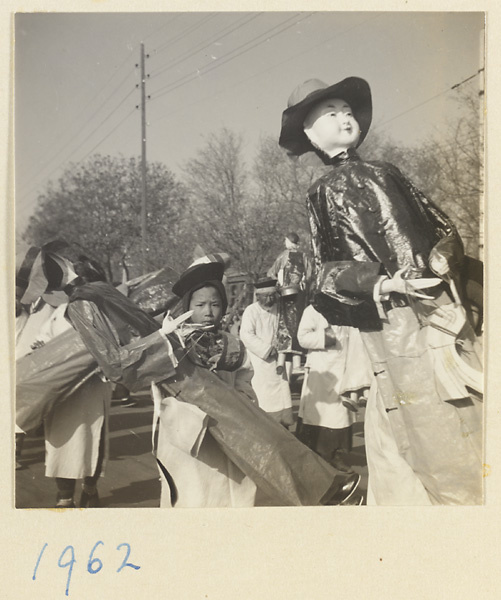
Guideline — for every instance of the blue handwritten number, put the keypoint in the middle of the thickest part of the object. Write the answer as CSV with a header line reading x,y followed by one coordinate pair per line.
x,y
38,561
90,568
68,564
125,563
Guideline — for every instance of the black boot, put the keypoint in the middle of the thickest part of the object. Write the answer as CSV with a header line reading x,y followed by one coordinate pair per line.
x,y
89,497
341,490
355,500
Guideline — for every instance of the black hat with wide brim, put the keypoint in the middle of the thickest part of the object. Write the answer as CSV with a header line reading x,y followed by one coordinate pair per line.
x,y
354,90
198,276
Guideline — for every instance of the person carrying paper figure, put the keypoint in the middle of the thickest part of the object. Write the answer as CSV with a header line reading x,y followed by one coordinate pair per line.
x,y
134,349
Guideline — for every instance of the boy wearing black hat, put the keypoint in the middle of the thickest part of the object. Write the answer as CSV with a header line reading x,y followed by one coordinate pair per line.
x,y
377,243
131,347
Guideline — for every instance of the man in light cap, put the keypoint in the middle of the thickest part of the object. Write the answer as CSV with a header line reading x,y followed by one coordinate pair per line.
x,y
258,333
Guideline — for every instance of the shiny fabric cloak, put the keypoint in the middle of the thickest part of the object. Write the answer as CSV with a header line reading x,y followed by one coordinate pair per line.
x,y
423,431
195,471
368,220
45,377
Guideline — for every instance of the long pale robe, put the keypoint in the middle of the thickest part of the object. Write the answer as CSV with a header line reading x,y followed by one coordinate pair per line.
x,y
73,428
195,472
422,429
257,332
330,372
22,321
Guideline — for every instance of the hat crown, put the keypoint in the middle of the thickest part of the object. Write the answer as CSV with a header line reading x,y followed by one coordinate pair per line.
x,y
197,275
304,90
353,90
293,237
265,282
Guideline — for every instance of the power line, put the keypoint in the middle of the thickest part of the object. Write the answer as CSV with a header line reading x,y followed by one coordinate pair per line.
x,y
108,116
184,33
81,129
107,135
173,20
213,39
455,86
291,57
20,209
220,62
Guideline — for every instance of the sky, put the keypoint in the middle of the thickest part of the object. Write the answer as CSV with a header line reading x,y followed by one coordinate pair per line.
x,y
76,94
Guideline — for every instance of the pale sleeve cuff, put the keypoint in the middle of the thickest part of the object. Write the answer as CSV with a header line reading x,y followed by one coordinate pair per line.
x,y
170,350
378,297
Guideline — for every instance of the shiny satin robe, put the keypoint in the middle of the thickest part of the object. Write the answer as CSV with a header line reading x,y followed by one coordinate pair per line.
x,y
370,220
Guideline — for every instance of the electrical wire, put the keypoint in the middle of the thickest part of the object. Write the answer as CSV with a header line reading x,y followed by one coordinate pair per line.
x,y
173,20
81,129
275,66
184,33
205,44
453,87
107,135
108,116
222,61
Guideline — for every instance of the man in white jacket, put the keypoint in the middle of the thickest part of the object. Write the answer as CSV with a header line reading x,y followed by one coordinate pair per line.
x,y
258,334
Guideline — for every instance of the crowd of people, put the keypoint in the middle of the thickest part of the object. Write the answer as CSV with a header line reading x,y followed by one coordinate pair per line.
x,y
380,318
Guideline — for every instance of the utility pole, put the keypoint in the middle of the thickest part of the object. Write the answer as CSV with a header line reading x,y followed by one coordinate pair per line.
x,y
144,213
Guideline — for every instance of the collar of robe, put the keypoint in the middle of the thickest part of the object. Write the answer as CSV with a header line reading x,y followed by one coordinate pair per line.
x,y
345,156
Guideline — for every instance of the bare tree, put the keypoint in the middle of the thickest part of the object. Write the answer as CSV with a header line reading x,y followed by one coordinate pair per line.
x,y
285,181
228,212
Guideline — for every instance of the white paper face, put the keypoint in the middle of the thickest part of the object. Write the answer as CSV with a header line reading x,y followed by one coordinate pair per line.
x,y
331,126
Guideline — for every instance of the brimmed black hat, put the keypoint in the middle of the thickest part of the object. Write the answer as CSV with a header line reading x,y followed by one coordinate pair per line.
x,y
23,275
86,268
199,276
354,90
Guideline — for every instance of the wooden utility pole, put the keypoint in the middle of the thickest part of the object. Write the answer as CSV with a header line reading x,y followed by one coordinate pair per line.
x,y
144,213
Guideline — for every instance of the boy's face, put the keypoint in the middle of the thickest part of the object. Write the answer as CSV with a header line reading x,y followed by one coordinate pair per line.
x,y
207,306
331,126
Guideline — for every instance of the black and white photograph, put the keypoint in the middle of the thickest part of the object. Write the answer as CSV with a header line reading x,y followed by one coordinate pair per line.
x,y
249,259
250,264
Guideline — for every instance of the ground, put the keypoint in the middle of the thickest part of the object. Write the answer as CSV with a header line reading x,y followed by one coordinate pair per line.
x,y
131,476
